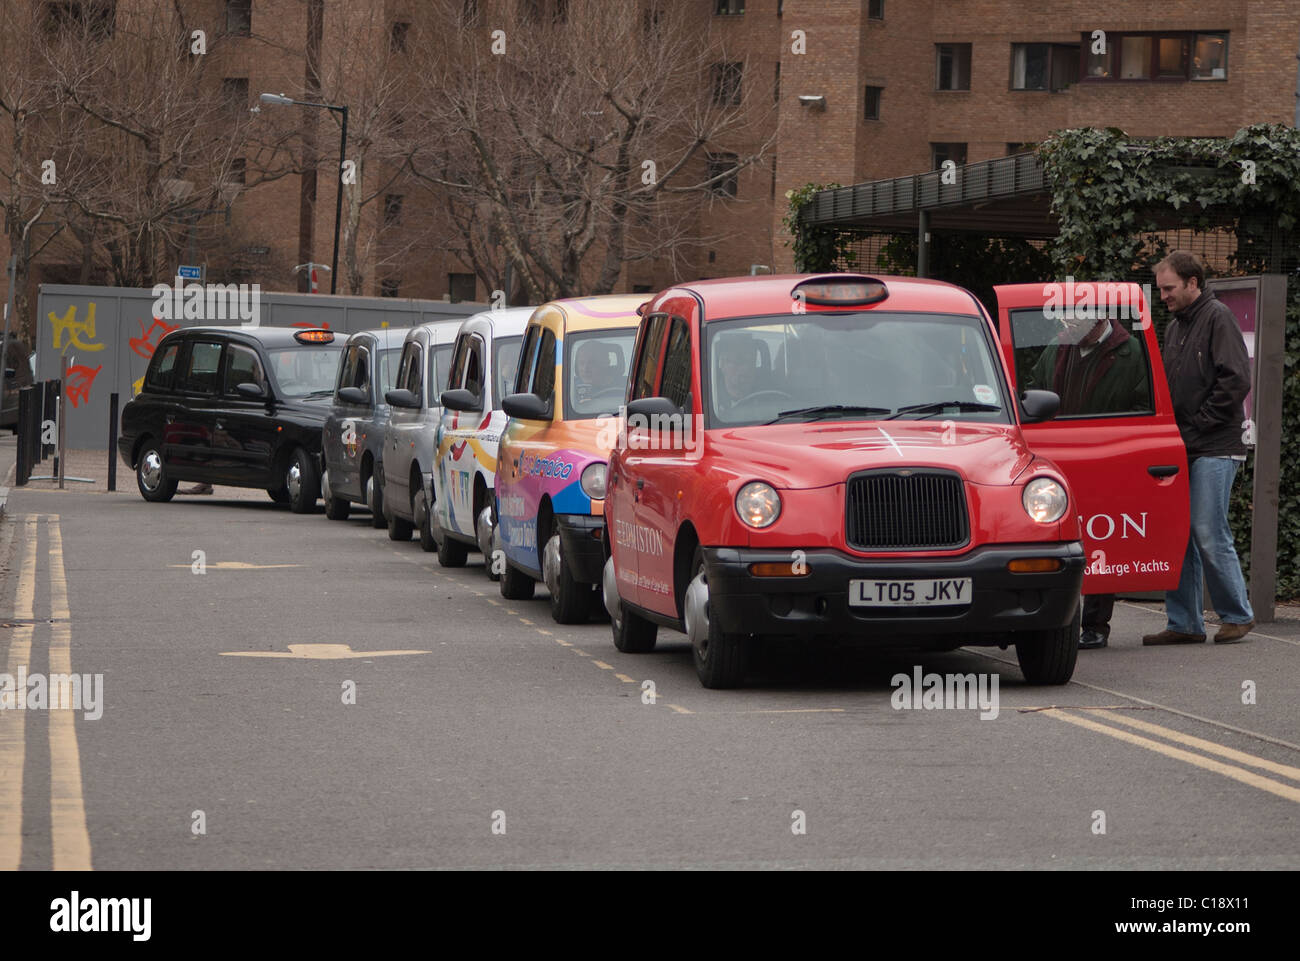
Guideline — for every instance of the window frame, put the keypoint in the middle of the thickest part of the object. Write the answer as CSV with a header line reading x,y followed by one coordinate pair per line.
x,y
1056,53
191,343
938,66
1115,52
866,102
228,390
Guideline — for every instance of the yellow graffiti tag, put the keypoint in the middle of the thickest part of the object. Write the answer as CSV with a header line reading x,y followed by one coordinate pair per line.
x,y
68,324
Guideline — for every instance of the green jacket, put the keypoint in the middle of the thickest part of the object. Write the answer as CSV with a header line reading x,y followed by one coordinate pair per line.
x,y
1116,378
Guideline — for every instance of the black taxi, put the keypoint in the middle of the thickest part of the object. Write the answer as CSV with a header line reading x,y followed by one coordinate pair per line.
x,y
239,406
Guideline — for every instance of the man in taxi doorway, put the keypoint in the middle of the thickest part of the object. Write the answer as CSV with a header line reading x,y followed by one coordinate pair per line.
x,y
1209,376
1097,367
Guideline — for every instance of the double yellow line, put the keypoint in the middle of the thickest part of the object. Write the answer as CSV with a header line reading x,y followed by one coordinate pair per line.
x,y
1238,771
70,840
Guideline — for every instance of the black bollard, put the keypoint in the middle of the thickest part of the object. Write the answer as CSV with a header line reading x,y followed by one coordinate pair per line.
x,y
112,441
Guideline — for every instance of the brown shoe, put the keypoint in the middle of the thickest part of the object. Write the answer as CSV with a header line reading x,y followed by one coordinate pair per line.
x,y
1232,633
198,489
1172,637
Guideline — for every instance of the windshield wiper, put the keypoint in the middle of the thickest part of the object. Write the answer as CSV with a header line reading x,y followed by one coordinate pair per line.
x,y
826,410
321,393
936,406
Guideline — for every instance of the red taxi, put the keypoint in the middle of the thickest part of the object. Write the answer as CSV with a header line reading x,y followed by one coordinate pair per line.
x,y
874,460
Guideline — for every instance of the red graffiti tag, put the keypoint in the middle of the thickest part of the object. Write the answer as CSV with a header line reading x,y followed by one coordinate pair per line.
x,y
80,378
145,344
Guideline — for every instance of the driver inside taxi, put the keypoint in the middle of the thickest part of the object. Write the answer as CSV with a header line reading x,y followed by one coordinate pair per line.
x,y
594,372
738,363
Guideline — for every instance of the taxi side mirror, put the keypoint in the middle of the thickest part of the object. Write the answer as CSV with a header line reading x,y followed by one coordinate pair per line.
x,y
527,407
402,398
250,390
354,395
1039,405
649,408
462,399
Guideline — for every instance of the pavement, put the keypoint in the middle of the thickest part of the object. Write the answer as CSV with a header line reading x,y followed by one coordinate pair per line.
x,y
284,691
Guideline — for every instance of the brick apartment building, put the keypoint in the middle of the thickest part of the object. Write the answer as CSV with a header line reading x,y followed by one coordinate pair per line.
x,y
859,90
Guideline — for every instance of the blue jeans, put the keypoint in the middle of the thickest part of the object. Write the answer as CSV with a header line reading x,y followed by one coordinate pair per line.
x,y
1209,550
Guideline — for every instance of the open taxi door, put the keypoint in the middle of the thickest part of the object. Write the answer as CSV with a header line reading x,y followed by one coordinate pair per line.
x,y
1114,435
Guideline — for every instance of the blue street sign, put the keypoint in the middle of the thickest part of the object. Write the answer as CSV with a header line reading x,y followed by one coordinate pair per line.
x,y
188,273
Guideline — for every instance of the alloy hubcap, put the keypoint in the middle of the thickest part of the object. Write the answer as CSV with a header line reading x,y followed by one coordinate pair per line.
x,y
370,492
151,470
697,614
293,480
551,561
483,532
609,592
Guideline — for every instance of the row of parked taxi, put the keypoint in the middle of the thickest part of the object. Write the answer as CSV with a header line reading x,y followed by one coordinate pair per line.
x,y
837,457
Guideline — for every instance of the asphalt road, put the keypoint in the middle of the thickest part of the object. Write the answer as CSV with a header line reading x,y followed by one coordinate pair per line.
x,y
507,740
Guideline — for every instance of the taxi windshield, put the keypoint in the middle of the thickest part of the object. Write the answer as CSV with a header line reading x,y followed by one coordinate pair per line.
x,y
595,365
307,371
872,365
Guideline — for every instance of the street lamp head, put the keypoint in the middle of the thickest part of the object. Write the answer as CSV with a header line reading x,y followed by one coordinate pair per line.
x,y
276,98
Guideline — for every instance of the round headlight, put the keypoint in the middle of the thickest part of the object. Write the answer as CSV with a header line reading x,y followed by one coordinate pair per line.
x,y
758,504
1044,500
593,481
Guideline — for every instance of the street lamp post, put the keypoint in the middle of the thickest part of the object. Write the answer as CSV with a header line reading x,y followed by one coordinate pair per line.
x,y
280,98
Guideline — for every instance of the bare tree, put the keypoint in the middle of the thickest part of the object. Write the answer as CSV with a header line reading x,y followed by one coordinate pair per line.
x,y
580,136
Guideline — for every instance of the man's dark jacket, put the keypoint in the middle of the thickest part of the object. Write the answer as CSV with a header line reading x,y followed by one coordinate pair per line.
x,y
1209,376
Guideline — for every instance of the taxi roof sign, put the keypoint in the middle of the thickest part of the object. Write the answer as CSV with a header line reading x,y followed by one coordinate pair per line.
x,y
314,336
842,290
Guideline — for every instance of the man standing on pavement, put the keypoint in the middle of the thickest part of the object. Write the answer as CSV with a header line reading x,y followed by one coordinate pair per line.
x,y
1209,376
1096,367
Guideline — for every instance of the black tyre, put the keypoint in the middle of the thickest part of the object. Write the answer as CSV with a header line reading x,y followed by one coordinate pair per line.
x,y
374,491
302,480
633,634
720,657
570,599
451,552
1048,657
278,494
516,585
424,524
399,529
150,475
336,508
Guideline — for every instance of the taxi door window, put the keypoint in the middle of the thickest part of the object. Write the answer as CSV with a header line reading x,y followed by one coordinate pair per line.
x,y
1098,367
527,359
412,381
505,362
242,367
474,366
200,375
458,357
439,369
647,363
676,381
361,376
410,362
544,375
163,368
347,368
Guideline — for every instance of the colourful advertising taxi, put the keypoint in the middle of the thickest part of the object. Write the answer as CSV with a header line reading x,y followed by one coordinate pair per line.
x,y
551,466
873,460
484,363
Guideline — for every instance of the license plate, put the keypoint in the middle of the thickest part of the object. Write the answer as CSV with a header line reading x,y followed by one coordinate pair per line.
x,y
945,592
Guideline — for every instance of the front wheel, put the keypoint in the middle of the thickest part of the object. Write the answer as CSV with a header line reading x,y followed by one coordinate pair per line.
x,y
375,500
633,634
399,529
151,477
720,658
336,508
516,585
570,599
302,480
278,494
424,523
1048,657
451,552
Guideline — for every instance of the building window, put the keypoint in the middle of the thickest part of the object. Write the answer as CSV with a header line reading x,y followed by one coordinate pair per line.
x,y
1044,66
875,9
729,8
722,165
461,287
96,18
1158,56
234,95
726,83
239,18
1020,146
642,289
238,170
397,36
952,70
941,152
392,210
389,286
871,103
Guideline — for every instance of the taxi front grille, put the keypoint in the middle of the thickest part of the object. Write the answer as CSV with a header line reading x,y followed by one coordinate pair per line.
x,y
893,510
